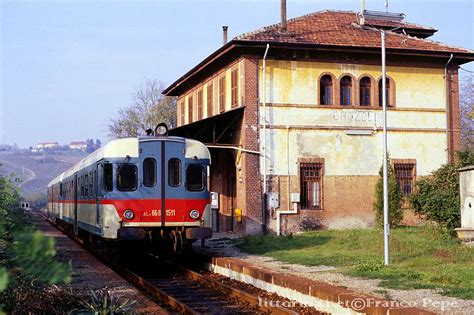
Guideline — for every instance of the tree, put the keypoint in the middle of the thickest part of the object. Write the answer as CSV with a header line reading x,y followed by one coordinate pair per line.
x,y
149,108
437,197
395,210
466,102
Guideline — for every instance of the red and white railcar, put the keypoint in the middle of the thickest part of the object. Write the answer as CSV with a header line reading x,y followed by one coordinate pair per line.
x,y
135,189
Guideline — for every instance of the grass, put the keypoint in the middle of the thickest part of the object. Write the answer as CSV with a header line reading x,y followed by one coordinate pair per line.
x,y
420,257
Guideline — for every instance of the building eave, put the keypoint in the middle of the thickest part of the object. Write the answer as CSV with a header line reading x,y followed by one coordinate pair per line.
x,y
172,90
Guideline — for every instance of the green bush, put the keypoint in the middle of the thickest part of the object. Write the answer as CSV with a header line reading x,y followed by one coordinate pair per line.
x,y
395,211
26,255
436,197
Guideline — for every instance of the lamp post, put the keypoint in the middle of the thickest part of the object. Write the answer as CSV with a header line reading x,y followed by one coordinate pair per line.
x,y
386,224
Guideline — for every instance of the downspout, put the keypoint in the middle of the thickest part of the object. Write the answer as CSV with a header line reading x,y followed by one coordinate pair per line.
x,y
295,208
447,87
264,118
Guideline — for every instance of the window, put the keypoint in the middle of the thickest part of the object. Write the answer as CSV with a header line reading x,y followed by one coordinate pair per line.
x,y
199,104
311,185
234,88
195,177
221,94
181,112
210,94
405,174
387,92
127,177
108,177
364,89
61,193
149,172
346,90
190,109
325,90
82,186
174,172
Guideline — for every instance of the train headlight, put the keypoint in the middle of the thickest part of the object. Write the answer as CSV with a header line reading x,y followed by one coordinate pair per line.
x,y
128,214
194,214
161,130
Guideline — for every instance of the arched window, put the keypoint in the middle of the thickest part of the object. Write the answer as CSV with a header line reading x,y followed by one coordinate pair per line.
x,y
365,87
325,90
346,90
387,92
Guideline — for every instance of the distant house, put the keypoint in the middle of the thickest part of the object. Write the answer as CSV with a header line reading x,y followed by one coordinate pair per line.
x,y
46,145
78,145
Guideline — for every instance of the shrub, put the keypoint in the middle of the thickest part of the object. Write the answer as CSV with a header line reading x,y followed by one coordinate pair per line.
x,y
436,197
395,211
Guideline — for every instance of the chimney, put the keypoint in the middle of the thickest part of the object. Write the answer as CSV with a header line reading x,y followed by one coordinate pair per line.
x,y
224,33
361,13
283,16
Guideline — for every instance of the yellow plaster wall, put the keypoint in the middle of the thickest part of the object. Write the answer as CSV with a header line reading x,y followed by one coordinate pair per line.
x,y
420,129
296,82
351,155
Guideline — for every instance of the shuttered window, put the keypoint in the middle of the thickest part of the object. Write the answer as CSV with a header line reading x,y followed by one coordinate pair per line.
x,y
199,104
190,109
222,94
210,95
234,88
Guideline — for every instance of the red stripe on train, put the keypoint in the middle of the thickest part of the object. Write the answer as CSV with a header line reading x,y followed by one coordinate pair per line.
x,y
149,210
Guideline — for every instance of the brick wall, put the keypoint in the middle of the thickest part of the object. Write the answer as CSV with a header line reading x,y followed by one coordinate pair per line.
x,y
249,184
347,203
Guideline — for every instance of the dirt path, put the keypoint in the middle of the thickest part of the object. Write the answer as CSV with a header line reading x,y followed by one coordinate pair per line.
x,y
24,173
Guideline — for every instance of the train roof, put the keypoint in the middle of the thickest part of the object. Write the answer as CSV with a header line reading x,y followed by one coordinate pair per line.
x,y
129,146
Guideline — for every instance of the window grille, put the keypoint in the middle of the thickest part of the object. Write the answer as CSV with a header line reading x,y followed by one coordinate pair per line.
x,y
405,174
311,185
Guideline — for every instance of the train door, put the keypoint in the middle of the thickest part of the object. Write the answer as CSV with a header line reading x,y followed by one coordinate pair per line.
x,y
76,228
99,175
151,185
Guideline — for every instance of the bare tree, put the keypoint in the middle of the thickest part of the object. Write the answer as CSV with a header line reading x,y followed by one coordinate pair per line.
x,y
466,97
149,107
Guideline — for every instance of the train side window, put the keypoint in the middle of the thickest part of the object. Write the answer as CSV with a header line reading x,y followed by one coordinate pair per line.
x,y
194,177
149,172
127,177
174,172
108,177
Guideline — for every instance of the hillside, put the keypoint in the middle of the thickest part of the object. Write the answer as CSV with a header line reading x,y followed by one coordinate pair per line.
x,y
35,170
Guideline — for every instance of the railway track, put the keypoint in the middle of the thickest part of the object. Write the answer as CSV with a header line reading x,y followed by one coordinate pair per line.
x,y
181,289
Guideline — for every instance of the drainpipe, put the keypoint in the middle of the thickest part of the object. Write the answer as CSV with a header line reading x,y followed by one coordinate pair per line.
x,y
447,87
264,118
295,207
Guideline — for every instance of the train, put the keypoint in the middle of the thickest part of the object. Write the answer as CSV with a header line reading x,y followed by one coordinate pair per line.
x,y
152,189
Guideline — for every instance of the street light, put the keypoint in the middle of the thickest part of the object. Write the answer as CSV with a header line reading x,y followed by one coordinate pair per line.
x,y
386,224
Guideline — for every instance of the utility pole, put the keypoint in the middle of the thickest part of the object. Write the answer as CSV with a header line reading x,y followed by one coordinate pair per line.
x,y
386,225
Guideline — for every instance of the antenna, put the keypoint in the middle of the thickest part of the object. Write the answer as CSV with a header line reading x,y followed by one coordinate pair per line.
x,y
386,6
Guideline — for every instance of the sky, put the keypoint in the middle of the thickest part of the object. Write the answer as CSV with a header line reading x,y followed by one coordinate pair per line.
x,y
68,66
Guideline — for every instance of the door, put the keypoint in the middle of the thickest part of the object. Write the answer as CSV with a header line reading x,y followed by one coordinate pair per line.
x,y
99,175
76,228
151,184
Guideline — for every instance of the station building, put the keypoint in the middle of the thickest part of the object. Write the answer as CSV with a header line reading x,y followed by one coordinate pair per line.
x,y
296,134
